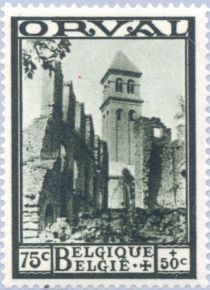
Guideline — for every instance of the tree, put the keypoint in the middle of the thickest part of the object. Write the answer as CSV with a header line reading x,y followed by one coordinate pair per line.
x,y
44,53
179,117
181,113
179,159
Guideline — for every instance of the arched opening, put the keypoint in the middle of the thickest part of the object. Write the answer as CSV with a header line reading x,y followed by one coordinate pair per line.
x,y
49,215
119,85
75,177
62,157
132,115
119,114
130,87
158,132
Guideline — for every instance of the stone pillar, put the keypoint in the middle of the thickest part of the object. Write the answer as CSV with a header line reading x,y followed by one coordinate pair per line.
x,y
71,107
65,104
58,92
47,98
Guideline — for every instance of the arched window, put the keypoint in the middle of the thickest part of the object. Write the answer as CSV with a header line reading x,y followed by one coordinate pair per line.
x,y
132,115
119,85
119,114
75,176
158,132
130,87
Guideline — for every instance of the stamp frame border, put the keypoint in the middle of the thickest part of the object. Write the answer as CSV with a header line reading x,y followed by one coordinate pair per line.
x,y
155,282
17,150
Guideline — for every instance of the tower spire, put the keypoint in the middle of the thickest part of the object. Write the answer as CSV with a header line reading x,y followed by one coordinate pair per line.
x,y
121,64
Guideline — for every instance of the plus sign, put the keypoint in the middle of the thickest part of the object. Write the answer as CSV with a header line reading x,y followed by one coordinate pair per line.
x,y
173,253
146,265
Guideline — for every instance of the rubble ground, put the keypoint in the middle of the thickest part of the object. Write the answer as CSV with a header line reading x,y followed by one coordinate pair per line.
x,y
118,226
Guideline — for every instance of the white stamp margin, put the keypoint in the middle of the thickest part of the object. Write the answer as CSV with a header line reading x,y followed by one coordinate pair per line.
x,y
201,136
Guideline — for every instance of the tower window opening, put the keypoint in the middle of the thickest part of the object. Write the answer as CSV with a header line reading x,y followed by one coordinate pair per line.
x,y
158,132
132,115
119,85
130,87
119,114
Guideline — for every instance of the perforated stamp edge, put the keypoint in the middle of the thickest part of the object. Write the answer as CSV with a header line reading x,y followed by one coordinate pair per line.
x,y
201,136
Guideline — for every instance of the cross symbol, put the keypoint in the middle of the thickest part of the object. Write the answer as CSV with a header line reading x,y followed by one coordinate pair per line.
x,y
146,265
173,253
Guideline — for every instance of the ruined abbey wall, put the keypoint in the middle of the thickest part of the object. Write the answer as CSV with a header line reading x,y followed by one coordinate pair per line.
x,y
68,170
158,170
158,166
65,165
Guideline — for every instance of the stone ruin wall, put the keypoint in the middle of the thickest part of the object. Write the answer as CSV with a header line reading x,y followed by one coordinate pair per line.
x,y
62,137
159,169
59,166
157,166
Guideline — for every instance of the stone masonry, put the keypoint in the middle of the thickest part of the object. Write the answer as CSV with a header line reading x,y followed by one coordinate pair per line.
x,y
141,145
65,168
68,170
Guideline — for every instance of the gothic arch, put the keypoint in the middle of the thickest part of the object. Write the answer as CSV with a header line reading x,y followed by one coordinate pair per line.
x,y
119,85
130,86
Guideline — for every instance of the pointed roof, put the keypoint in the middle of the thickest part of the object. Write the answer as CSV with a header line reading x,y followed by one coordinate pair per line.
x,y
121,64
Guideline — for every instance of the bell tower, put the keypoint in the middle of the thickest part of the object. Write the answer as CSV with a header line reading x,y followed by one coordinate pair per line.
x,y
121,107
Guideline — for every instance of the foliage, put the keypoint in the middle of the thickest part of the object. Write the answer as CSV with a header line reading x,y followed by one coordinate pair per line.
x,y
180,115
120,226
44,53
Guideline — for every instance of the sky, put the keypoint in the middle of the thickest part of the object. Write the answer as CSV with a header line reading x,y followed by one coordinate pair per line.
x,y
162,63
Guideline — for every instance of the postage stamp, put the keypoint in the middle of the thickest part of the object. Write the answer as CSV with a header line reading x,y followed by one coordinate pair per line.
x,y
105,146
